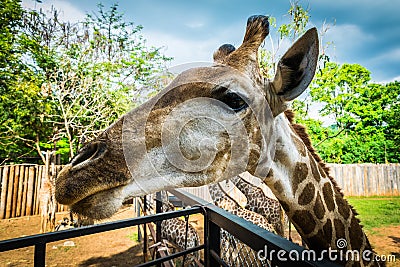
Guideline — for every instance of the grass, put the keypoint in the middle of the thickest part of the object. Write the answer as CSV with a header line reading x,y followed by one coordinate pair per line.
x,y
377,211
133,236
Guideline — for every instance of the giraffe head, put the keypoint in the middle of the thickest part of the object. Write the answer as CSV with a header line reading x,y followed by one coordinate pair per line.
x,y
209,124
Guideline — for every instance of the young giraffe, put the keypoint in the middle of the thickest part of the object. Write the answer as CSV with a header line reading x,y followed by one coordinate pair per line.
x,y
258,202
235,124
226,202
174,230
241,255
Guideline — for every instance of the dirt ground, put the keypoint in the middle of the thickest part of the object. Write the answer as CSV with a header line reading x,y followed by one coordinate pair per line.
x,y
120,248
113,248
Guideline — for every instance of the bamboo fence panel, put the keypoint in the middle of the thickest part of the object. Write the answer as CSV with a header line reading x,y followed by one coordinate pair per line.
x,y
20,185
19,190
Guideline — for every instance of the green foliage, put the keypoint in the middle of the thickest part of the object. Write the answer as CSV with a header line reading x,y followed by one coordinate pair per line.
x,y
366,128
21,103
299,21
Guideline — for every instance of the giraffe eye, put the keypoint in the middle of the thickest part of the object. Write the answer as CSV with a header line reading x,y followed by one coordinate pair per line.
x,y
235,102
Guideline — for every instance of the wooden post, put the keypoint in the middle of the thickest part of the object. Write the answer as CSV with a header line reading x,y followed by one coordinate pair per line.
x,y
38,183
30,191
20,188
46,195
25,191
4,187
10,192
15,191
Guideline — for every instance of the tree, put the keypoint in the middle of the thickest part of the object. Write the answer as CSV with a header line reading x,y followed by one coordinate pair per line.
x,y
76,79
364,112
21,104
299,18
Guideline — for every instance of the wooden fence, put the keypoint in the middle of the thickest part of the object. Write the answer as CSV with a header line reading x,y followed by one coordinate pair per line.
x,y
20,185
367,179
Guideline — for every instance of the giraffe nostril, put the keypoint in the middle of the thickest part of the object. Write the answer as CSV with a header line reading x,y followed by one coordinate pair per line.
x,y
90,152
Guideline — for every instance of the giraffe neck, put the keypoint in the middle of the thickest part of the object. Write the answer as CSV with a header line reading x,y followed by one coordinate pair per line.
x,y
222,199
166,205
258,202
310,198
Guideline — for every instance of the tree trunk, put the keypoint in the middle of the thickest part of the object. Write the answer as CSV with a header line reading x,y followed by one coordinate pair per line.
x,y
47,195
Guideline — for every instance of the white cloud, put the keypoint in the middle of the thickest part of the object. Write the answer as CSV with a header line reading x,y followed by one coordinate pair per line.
x,y
185,50
68,12
347,38
397,78
392,56
195,25
182,50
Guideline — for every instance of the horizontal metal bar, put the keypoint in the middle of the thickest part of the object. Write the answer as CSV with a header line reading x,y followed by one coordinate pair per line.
x,y
250,234
172,256
93,229
257,238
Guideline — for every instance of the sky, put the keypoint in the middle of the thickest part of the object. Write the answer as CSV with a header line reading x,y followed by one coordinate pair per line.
x,y
360,31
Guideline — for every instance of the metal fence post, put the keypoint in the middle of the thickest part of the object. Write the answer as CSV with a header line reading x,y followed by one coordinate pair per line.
x,y
213,245
40,255
158,223
145,258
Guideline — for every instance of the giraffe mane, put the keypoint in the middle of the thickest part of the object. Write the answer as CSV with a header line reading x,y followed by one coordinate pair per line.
x,y
301,131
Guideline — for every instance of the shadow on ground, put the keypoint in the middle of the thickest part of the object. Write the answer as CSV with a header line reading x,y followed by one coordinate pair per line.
x,y
129,257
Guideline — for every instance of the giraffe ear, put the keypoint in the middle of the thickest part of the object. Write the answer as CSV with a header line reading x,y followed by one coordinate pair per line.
x,y
222,52
297,67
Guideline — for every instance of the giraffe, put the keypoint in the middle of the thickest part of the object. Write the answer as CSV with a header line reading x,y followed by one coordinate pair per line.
x,y
174,230
211,124
258,202
226,202
234,252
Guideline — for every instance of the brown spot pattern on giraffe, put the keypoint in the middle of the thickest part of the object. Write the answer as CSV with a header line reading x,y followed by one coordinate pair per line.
x,y
328,230
299,146
322,171
343,206
357,236
319,210
305,220
340,229
300,173
307,195
317,242
328,196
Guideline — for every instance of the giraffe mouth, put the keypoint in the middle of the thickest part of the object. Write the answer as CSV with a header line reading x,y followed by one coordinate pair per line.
x,y
100,205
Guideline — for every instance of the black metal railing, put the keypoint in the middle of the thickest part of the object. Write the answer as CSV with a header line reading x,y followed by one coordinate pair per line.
x,y
215,219
39,241
250,234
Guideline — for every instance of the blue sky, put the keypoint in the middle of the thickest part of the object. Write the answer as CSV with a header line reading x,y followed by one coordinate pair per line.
x,y
362,31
